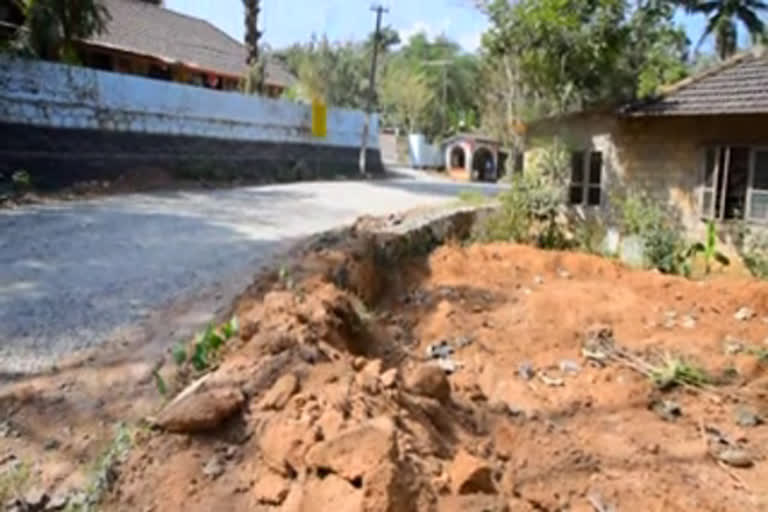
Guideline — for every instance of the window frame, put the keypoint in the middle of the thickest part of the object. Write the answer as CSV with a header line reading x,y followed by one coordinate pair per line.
x,y
753,150
719,199
586,184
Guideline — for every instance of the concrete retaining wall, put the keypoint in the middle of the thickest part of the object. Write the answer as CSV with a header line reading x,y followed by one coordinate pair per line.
x,y
55,119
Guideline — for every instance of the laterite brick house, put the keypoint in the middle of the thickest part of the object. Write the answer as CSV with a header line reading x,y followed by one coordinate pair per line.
x,y
701,147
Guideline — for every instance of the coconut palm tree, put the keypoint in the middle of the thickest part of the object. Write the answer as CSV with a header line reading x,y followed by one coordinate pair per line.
x,y
723,16
252,33
52,27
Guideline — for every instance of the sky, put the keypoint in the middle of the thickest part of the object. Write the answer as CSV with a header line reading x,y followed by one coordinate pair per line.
x,y
289,21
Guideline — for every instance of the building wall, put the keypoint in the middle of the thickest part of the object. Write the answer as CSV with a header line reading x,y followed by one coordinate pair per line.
x,y
43,99
663,157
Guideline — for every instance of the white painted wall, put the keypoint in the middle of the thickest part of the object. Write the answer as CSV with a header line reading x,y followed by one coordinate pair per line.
x,y
50,94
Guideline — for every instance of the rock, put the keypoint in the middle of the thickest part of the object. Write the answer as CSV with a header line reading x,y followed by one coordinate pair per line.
x,y
389,378
525,371
439,350
745,417
429,380
359,363
373,368
448,365
368,378
271,489
736,457
539,280
331,493
390,488
569,367
279,394
474,502
58,501
355,452
230,452
471,475
667,410
744,314
688,322
51,444
201,411
330,422
35,499
733,346
283,445
214,468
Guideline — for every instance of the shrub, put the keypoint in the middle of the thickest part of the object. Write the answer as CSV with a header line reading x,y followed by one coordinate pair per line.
x,y
664,250
664,244
531,210
754,252
590,233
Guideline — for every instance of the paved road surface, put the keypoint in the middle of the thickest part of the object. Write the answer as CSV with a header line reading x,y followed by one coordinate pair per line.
x,y
76,274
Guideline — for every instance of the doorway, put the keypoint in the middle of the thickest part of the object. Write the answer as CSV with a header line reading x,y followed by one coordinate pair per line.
x,y
483,167
458,158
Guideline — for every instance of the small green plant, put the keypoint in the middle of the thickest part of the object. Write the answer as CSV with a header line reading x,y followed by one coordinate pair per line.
x,y
590,233
209,342
21,180
664,250
160,383
759,353
13,480
754,252
285,277
103,474
708,249
179,353
676,371
638,213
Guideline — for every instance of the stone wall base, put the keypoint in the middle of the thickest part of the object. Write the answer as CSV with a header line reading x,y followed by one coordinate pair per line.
x,y
58,157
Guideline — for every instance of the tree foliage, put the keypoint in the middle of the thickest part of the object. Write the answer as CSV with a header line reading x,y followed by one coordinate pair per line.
x,y
52,27
406,97
413,79
570,54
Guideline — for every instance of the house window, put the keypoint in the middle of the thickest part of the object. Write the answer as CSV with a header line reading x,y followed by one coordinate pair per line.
x,y
586,178
734,183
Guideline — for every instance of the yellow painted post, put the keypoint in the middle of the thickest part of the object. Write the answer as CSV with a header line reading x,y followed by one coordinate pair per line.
x,y
319,118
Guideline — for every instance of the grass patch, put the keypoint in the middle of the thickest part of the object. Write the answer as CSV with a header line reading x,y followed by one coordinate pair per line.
x,y
473,198
13,481
103,473
676,371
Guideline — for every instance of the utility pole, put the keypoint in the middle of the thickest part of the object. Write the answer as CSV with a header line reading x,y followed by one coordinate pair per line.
x,y
379,10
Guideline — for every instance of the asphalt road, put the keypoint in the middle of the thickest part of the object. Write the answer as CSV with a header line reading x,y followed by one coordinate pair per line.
x,y
74,275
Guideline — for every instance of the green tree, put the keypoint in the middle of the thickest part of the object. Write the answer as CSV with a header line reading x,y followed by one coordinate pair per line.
x,y
336,72
565,55
54,26
723,16
406,97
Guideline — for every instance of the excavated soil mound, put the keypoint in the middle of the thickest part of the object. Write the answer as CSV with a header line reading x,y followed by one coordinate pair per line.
x,y
459,381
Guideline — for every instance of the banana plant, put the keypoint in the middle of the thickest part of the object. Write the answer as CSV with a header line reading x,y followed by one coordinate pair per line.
x,y
708,249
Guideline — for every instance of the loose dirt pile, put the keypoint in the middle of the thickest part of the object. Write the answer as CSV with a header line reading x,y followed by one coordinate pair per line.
x,y
371,375
469,381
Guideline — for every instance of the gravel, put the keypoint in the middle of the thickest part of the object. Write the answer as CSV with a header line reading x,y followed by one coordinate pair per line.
x,y
74,275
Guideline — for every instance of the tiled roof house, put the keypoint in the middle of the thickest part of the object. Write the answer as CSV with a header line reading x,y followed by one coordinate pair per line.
x,y
700,147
